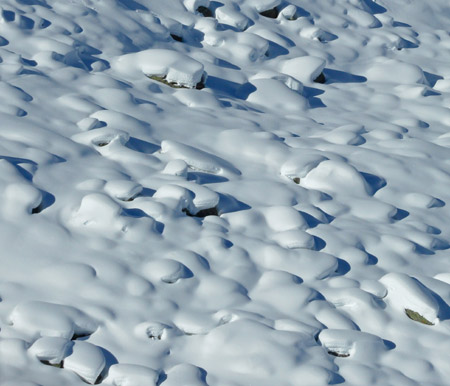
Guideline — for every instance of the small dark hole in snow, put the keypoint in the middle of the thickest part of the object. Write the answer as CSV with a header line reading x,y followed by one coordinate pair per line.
x,y
339,355
200,85
38,209
320,79
176,37
78,336
47,363
296,180
97,381
203,212
206,12
102,144
162,79
271,13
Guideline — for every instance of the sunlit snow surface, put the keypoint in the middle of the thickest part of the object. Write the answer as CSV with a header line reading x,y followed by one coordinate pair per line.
x,y
265,230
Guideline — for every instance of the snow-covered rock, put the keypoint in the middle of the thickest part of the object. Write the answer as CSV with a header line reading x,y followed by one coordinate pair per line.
x,y
351,343
51,349
132,375
306,69
37,318
407,293
172,66
86,360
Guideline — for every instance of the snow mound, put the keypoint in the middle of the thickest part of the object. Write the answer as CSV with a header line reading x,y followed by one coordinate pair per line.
x,y
101,137
98,211
173,66
176,167
264,5
287,99
37,318
407,293
336,177
230,14
299,166
21,198
132,375
306,69
395,71
186,374
176,197
345,343
50,349
284,218
86,360
294,239
225,345
166,270
197,159
153,331
123,190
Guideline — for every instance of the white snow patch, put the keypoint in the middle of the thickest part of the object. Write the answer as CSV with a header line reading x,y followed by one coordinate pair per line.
x,y
305,68
406,292
174,66
132,375
37,318
353,343
86,360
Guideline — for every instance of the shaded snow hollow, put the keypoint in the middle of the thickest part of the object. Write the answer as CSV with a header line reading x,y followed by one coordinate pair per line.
x,y
230,193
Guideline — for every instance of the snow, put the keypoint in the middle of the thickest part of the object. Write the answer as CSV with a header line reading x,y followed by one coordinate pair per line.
x,y
132,375
405,292
86,360
305,68
50,349
230,193
230,14
174,66
352,343
196,158
47,319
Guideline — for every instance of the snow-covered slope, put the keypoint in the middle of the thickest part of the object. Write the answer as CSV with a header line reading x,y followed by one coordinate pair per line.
x,y
224,193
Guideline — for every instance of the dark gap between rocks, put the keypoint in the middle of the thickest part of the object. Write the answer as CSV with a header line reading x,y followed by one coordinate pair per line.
x,y
176,38
206,12
339,355
270,13
320,79
202,213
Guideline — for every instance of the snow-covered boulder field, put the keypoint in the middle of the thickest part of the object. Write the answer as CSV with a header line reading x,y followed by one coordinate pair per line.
x,y
224,193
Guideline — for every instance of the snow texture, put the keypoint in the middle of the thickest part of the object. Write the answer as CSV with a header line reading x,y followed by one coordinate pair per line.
x,y
224,193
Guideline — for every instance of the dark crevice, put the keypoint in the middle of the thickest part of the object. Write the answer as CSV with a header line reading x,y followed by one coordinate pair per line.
x,y
203,212
80,335
320,79
270,13
206,12
47,363
102,144
162,79
339,355
38,209
176,38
